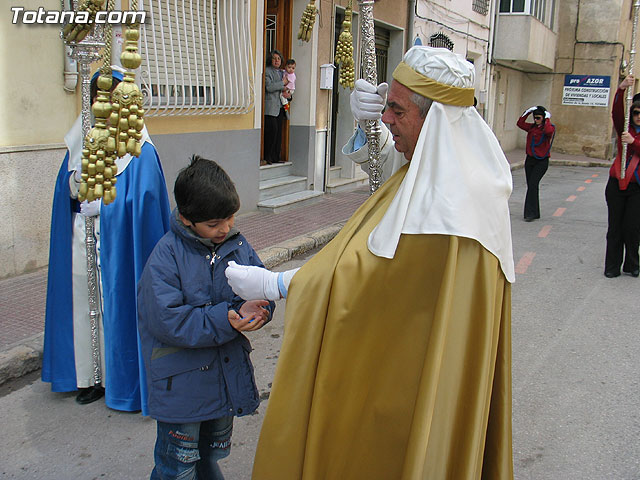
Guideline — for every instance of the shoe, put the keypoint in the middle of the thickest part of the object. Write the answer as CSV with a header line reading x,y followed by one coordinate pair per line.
x,y
634,273
529,219
611,274
90,395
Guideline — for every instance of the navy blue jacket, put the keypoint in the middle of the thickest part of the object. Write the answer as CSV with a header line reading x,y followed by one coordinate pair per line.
x,y
197,364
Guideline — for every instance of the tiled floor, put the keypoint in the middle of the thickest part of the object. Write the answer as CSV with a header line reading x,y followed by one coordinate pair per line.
x,y
22,298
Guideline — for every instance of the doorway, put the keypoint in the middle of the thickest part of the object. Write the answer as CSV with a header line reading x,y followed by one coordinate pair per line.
x,y
277,35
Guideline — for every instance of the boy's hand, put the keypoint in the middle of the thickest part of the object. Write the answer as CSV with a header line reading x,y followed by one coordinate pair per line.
x,y
255,308
246,324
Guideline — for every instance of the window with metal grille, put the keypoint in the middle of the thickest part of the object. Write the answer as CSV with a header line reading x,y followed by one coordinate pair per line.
x,y
480,6
440,40
196,57
270,33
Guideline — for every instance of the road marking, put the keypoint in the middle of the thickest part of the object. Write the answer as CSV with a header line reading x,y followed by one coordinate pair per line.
x,y
524,262
571,198
544,231
588,181
594,175
559,212
581,189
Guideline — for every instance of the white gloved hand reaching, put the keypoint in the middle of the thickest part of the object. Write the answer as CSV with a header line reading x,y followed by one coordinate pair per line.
x,y
90,209
547,114
368,101
257,283
529,110
251,282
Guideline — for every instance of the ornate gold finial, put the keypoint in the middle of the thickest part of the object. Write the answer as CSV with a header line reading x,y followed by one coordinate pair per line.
x,y
76,32
307,21
344,51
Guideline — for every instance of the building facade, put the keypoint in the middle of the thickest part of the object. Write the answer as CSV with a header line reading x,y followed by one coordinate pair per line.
x,y
463,26
568,56
203,81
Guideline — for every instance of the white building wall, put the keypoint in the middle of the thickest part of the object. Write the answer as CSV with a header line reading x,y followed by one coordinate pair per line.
x,y
467,29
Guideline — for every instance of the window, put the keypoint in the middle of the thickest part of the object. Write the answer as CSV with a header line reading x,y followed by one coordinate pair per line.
x,y
512,6
440,40
480,6
182,44
543,10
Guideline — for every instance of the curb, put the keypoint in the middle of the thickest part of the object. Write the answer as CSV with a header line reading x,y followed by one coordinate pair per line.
x,y
26,357
21,359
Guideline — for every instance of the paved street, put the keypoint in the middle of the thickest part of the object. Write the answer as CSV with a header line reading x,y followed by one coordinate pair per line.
x,y
575,366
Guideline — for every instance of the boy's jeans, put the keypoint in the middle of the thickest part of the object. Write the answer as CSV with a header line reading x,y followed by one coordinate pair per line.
x,y
190,451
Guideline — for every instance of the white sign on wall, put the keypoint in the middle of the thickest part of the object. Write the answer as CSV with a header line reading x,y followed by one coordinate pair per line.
x,y
586,90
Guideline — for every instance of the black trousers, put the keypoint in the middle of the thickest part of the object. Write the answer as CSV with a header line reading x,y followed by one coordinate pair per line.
x,y
534,170
623,234
273,137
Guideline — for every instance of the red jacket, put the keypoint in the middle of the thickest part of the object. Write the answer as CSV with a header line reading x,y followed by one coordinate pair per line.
x,y
538,137
618,123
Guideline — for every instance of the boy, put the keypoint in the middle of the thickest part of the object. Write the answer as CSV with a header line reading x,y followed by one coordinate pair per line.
x,y
191,324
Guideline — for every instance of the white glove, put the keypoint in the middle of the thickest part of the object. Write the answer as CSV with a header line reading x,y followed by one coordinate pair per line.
x,y
90,209
77,176
251,282
547,114
529,110
367,101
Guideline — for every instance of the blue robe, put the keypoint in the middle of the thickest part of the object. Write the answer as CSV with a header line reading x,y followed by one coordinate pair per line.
x,y
129,229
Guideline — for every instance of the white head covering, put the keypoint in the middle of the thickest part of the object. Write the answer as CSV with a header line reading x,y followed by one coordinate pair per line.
x,y
458,181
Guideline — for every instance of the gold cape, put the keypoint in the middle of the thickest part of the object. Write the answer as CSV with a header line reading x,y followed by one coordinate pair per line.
x,y
392,369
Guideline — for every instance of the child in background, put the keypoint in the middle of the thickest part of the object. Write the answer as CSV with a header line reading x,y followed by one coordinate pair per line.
x,y
192,325
289,80
289,77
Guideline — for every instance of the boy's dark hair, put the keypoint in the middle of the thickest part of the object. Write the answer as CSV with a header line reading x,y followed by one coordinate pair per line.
x,y
203,191
291,61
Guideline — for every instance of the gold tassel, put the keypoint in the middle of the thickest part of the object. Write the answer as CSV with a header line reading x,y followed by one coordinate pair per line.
x,y
344,51
307,21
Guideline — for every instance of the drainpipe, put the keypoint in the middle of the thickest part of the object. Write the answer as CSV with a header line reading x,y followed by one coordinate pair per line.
x,y
411,18
491,100
70,65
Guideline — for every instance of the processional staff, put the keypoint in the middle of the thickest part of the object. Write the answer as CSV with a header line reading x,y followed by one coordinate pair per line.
x,y
117,132
372,127
86,46
344,57
632,55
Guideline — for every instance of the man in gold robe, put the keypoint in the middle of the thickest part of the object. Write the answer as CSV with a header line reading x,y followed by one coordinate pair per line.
x,y
396,356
